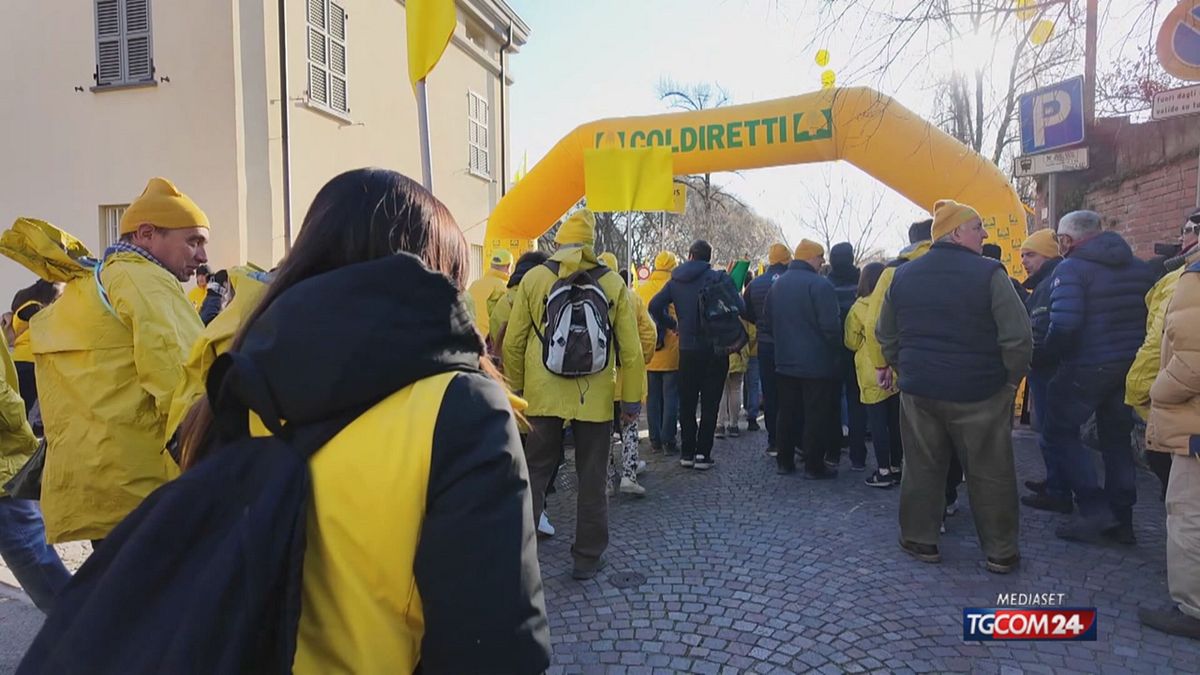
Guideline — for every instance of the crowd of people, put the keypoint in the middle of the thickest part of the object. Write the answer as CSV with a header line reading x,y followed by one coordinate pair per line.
x,y
428,470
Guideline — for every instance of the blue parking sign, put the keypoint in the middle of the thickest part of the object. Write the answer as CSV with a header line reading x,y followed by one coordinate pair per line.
x,y
1052,117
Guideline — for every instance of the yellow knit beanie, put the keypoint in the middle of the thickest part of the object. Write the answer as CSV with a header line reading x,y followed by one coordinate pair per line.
x,y
580,228
808,249
779,255
665,261
948,215
1042,242
162,205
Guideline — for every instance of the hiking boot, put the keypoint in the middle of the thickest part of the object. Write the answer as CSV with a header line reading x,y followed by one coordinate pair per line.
x,y
1037,487
544,527
880,480
1121,534
630,486
720,431
827,474
585,573
1171,621
734,432
752,425
704,463
926,553
686,463
1086,530
772,452
1003,565
1046,502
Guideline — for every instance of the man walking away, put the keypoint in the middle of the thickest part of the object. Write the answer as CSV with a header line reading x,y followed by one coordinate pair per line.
x,y
803,319
703,355
844,275
1040,257
755,299
959,339
584,400
1097,323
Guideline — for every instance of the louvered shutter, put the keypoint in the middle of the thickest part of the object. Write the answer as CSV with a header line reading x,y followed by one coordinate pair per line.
x,y
108,42
138,58
337,58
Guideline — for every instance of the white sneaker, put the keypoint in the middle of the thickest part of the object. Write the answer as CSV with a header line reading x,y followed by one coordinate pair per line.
x,y
641,466
544,526
951,509
630,486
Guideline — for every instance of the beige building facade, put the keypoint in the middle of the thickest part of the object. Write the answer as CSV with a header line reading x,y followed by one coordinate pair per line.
x,y
109,93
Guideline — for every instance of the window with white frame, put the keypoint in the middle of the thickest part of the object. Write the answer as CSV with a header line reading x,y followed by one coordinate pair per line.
x,y
327,79
124,49
476,261
110,224
478,114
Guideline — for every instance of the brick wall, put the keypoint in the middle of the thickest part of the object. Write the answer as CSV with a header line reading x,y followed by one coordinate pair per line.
x,y
1147,208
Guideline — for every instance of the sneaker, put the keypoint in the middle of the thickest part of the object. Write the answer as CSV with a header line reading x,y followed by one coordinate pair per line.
x,y
926,553
630,486
734,432
827,474
544,526
641,467
752,425
686,463
1003,565
858,467
585,573
831,464
880,480
772,452
1045,502
1121,534
1171,621
704,463
720,431
951,509
896,473
1086,530
1037,487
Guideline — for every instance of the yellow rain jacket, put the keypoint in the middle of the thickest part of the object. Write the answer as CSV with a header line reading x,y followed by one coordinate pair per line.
x,y
874,353
739,361
484,293
855,339
196,297
498,317
647,335
1146,363
667,358
1175,395
16,437
23,343
106,377
214,341
587,399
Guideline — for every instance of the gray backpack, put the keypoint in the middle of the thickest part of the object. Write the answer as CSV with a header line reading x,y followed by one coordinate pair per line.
x,y
576,332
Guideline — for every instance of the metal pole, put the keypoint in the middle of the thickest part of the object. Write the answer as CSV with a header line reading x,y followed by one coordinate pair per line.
x,y
629,248
285,106
1089,66
1052,203
423,123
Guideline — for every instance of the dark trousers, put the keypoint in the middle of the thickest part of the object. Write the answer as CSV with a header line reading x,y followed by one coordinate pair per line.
x,y
884,418
856,413
27,379
770,392
23,546
1039,383
816,401
662,407
1074,394
701,381
544,452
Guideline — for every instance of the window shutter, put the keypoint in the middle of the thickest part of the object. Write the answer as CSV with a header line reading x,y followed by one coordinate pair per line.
x,y
108,42
316,13
337,58
138,60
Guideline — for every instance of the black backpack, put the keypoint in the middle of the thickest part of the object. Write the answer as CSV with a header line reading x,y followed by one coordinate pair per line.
x,y
720,319
204,576
575,331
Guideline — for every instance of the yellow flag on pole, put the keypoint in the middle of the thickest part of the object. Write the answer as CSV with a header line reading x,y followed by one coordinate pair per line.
x,y
620,179
430,25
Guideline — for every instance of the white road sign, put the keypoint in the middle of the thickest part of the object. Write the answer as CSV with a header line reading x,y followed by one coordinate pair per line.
x,y
1176,103
1075,159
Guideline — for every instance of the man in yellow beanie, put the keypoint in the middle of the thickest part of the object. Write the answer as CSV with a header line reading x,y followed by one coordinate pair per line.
x,y
490,287
109,358
755,299
803,319
1040,257
662,398
586,401
959,339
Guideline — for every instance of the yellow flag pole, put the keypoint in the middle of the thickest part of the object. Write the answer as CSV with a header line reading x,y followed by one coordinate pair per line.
x,y
423,124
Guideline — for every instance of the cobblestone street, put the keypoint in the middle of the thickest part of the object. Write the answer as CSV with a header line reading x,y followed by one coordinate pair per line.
x,y
747,571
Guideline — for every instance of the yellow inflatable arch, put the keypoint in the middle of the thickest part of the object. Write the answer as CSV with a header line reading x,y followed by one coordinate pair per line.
x,y
858,125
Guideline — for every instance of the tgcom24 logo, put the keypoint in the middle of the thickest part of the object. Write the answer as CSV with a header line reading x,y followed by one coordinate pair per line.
x,y
1027,623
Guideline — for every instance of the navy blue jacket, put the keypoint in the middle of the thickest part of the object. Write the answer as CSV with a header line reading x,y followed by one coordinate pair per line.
x,y
803,319
1037,302
683,291
755,299
1097,304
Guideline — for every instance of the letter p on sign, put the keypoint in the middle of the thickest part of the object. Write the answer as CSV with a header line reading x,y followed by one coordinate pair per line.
x,y
1052,117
